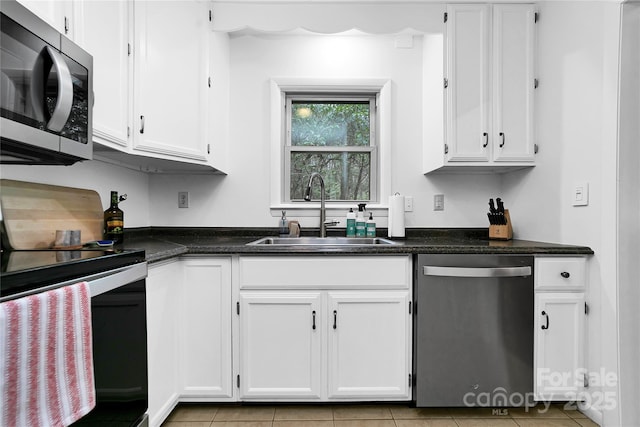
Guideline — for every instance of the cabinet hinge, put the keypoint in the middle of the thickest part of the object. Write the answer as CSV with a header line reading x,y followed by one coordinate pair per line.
x,y
535,148
446,16
446,83
238,380
238,308
446,149
536,17
586,308
536,83
409,380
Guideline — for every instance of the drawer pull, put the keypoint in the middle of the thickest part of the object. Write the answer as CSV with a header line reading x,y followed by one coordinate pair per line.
x,y
544,313
565,274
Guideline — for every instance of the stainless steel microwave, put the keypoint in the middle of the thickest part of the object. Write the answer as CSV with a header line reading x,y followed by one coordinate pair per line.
x,y
46,92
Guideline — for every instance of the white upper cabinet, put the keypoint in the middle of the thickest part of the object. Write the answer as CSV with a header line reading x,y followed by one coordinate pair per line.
x,y
107,34
152,86
60,14
467,83
171,82
488,89
512,138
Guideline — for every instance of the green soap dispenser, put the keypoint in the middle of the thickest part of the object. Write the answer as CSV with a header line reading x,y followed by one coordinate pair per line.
x,y
371,226
361,230
351,223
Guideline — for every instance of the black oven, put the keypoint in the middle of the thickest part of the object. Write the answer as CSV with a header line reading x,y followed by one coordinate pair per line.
x,y
118,308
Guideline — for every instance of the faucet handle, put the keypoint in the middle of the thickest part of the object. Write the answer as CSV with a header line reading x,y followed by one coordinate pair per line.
x,y
332,222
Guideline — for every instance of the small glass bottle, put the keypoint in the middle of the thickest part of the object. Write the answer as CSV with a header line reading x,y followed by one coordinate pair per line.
x,y
114,221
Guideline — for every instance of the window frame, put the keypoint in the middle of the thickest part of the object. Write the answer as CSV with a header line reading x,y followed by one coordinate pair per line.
x,y
277,87
357,96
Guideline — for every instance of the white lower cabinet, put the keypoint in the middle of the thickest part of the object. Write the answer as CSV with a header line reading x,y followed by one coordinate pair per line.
x,y
205,335
316,337
559,345
368,338
188,333
280,342
560,311
162,336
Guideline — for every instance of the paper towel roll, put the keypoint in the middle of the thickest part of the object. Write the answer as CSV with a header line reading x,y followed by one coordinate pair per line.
x,y
396,216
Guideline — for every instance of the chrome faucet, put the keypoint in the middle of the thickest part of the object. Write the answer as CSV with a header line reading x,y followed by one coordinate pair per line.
x,y
323,215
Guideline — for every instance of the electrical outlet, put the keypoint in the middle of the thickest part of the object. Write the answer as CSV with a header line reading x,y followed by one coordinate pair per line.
x,y
408,204
438,202
581,194
183,199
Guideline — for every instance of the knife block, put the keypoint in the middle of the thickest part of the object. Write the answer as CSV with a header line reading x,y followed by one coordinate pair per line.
x,y
502,232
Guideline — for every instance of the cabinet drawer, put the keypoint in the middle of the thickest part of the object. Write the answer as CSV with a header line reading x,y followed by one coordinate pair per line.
x,y
560,273
325,272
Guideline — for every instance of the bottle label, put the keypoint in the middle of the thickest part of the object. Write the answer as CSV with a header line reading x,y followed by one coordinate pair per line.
x,y
360,229
371,230
351,227
115,225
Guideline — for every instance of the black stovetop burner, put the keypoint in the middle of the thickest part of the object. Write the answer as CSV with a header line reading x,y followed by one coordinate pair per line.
x,y
28,270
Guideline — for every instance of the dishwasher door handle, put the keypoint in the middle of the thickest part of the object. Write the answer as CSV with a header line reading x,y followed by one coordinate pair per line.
x,y
519,271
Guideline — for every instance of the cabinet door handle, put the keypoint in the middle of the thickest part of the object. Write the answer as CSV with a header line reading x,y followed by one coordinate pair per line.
x,y
565,274
141,124
544,313
486,139
502,142
313,315
335,319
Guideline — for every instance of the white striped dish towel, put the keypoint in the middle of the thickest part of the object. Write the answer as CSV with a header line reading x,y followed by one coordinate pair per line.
x,y
46,358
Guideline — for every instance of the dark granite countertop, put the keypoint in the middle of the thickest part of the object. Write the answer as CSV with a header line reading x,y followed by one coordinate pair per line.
x,y
162,243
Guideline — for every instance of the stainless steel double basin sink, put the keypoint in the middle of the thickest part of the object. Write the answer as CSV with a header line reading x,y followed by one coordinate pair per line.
x,y
321,241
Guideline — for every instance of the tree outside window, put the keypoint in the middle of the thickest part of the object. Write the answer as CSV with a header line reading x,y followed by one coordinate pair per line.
x,y
335,136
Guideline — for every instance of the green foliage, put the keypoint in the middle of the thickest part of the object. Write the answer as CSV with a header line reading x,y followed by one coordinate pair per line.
x,y
331,124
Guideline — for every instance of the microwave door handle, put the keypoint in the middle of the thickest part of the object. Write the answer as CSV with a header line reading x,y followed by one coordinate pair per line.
x,y
65,90
37,86
62,110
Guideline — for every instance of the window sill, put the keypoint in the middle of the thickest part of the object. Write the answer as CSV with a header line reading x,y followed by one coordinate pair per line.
x,y
338,210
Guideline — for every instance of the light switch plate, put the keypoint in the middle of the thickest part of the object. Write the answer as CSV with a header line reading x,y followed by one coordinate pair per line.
x,y
580,194
408,204
438,202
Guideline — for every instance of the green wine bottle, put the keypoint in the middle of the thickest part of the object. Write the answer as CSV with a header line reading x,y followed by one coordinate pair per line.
x,y
114,221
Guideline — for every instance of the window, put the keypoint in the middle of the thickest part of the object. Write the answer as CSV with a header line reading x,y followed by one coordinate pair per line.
x,y
334,135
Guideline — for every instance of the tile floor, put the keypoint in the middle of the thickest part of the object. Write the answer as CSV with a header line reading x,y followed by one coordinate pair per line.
x,y
378,415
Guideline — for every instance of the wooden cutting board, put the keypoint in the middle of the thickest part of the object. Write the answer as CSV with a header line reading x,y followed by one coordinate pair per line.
x,y
33,212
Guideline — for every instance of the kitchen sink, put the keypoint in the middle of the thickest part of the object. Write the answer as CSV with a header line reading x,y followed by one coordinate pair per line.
x,y
322,241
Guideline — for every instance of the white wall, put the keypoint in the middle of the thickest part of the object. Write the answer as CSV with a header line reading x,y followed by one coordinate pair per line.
x,y
242,198
577,134
93,175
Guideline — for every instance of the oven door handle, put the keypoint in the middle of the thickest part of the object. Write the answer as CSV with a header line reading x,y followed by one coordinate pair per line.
x,y
519,271
117,278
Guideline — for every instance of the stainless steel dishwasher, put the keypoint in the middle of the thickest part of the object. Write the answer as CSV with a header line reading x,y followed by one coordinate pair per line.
x,y
473,331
